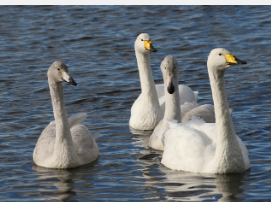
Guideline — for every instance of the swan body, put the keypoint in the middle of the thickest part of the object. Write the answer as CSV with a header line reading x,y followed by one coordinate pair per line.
x,y
201,147
65,142
148,109
179,104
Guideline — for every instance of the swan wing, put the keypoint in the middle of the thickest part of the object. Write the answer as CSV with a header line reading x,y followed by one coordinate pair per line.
x,y
187,149
186,107
191,146
84,143
77,119
244,152
74,119
206,112
45,144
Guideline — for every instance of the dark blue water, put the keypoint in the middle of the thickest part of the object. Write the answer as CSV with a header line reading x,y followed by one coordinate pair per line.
x,y
96,42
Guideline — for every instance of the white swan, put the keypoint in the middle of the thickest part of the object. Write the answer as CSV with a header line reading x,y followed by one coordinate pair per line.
x,y
146,111
64,143
201,147
173,108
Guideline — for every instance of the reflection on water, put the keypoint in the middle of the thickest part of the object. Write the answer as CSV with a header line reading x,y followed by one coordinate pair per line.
x,y
199,187
65,185
182,186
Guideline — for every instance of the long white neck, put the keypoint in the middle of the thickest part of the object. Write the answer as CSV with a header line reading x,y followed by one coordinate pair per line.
x,y
172,106
64,151
228,156
146,80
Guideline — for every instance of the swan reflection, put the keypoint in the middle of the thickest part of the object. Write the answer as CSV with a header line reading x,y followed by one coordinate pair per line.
x,y
66,181
180,185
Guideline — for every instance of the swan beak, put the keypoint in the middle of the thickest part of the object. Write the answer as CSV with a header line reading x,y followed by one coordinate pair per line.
x,y
232,60
170,87
71,81
66,77
149,46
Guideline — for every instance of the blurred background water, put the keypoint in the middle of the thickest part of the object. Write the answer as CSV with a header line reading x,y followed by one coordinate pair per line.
x,y
97,44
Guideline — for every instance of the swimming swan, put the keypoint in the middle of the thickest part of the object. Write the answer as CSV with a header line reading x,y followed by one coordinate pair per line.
x,y
201,147
64,143
174,109
148,108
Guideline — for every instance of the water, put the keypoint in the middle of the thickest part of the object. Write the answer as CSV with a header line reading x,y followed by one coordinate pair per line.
x,y
96,42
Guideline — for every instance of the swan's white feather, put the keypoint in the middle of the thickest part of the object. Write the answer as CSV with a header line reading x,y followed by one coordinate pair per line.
x,y
191,145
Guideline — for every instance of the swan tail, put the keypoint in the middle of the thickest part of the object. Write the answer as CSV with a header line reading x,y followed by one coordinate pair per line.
x,y
77,119
194,122
196,96
52,122
172,123
96,135
160,134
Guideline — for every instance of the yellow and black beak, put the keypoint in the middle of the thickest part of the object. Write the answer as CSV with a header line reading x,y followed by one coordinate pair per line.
x,y
232,60
149,46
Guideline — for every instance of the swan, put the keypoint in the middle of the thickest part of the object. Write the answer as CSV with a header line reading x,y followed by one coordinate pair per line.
x,y
148,108
201,147
64,143
173,108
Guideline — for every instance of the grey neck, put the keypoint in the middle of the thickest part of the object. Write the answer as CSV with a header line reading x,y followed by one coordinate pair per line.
x,y
63,134
172,106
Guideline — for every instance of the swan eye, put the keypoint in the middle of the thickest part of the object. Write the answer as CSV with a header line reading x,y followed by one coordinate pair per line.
x,y
141,39
58,69
220,54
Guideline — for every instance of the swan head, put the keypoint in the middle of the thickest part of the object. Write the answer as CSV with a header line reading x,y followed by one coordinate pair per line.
x,y
143,43
58,72
221,59
170,69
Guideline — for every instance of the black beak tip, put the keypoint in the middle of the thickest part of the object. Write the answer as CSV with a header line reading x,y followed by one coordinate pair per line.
x,y
153,50
74,83
240,61
171,89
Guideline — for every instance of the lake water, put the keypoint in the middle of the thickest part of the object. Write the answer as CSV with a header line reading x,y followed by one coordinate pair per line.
x,y
97,44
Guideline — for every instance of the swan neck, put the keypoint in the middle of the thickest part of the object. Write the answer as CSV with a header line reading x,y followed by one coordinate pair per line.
x,y
172,106
224,123
145,74
63,134
228,151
